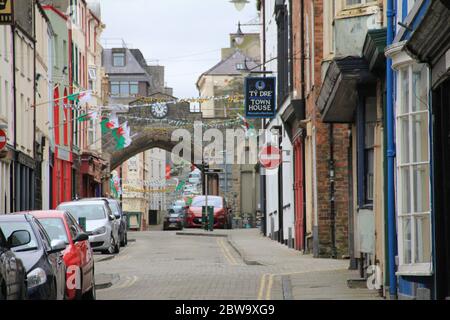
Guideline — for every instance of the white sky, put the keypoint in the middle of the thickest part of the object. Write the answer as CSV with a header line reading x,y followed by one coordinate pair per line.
x,y
185,36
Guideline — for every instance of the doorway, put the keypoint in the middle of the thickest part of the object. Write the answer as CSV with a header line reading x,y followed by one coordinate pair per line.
x,y
299,195
441,161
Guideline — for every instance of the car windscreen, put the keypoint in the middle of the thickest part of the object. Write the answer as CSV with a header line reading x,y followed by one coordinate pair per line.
x,y
55,229
215,202
114,209
88,211
8,227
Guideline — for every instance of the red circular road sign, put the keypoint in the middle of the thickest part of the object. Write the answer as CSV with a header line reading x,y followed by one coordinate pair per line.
x,y
270,157
2,140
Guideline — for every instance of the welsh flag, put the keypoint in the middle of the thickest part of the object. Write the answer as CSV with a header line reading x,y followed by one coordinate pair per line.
x,y
109,123
248,127
88,116
80,97
122,136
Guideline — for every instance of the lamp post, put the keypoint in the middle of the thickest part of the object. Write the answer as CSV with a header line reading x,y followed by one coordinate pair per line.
x,y
239,4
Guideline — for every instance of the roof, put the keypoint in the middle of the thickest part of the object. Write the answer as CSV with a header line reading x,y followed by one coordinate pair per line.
x,y
229,65
48,214
20,216
133,69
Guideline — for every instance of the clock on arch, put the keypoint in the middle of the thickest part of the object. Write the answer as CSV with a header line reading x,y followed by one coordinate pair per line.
x,y
159,110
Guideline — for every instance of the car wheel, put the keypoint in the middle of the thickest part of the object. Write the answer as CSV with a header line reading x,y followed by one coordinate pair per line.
x,y
116,246
91,294
2,290
112,245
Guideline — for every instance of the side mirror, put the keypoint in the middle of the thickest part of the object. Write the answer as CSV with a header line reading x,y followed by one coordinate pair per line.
x,y
112,218
117,216
57,246
19,238
81,237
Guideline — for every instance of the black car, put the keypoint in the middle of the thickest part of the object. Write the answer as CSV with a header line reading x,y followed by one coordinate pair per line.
x,y
13,285
118,213
42,259
173,220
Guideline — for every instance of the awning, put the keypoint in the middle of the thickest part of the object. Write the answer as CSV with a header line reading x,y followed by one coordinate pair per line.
x,y
339,93
292,115
431,39
373,50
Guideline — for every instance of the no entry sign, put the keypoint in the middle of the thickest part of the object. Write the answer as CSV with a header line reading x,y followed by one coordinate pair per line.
x,y
270,157
2,140
260,97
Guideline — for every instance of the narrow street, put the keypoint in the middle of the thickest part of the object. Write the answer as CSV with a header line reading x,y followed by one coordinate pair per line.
x,y
169,266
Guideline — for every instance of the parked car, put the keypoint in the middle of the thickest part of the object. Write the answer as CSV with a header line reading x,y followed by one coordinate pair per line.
x,y
42,258
62,226
173,220
121,218
222,214
101,224
13,281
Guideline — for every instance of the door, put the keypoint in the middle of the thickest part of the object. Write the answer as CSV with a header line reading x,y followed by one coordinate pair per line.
x,y
299,195
441,165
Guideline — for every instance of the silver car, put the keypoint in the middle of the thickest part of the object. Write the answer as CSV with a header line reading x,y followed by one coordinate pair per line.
x,y
101,224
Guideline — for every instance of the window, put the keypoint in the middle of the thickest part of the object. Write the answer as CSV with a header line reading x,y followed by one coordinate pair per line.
x,y
413,168
91,134
132,164
124,89
370,118
240,66
353,3
119,59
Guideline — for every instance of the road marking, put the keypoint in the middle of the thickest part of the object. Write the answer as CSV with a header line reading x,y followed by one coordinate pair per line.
x,y
262,284
228,252
269,287
230,259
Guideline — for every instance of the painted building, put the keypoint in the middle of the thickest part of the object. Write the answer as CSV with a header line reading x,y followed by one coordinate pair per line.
x,y
44,138
24,165
61,187
6,117
418,68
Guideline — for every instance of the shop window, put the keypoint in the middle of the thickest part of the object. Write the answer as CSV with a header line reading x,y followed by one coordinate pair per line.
x,y
413,168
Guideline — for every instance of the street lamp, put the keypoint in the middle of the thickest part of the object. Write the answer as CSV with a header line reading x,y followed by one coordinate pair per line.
x,y
239,4
239,35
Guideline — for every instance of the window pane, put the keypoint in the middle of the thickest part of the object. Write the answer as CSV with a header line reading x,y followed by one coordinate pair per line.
x,y
421,184
353,2
119,59
407,250
420,137
420,87
404,108
124,89
369,174
115,89
405,190
134,88
423,239
404,143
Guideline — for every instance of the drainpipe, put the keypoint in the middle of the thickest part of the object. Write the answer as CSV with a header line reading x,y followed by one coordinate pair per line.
x,y
392,239
332,192
302,80
14,164
262,175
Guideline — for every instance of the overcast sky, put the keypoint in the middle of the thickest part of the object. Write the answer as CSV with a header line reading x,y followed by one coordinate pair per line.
x,y
185,36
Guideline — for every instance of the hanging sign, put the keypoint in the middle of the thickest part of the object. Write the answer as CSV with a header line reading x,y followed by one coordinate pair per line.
x,y
260,97
2,140
6,12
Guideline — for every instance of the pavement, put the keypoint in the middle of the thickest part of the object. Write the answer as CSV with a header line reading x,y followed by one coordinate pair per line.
x,y
224,264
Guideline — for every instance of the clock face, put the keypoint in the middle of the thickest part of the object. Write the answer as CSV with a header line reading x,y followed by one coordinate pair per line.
x,y
159,110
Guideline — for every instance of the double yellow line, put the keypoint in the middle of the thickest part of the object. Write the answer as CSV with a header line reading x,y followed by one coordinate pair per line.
x,y
265,287
226,252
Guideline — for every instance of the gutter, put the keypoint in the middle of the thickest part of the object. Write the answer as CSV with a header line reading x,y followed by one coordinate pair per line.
x,y
391,223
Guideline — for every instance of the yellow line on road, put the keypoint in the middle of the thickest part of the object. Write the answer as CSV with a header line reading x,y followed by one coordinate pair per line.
x,y
229,253
262,284
269,287
230,259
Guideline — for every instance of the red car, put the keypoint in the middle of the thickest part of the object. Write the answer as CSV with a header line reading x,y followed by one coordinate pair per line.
x,y
222,216
78,256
